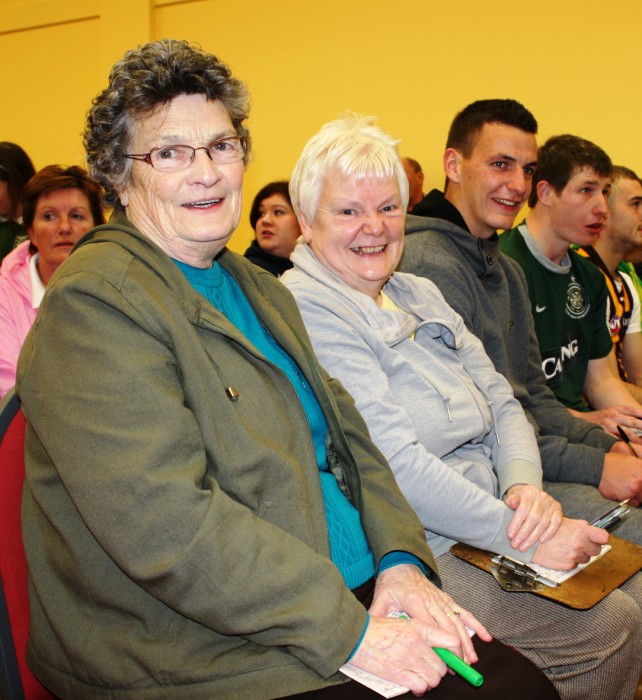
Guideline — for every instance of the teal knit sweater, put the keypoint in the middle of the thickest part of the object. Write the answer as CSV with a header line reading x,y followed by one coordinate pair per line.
x,y
348,545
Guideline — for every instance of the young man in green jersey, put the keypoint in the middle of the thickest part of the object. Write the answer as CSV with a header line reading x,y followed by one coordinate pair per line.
x,y
569,205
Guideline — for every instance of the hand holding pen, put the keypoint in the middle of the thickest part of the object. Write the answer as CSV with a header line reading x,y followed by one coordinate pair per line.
x,y
459,666
627,441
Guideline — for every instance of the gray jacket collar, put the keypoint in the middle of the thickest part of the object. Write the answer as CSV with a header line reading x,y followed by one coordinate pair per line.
x,y
481,254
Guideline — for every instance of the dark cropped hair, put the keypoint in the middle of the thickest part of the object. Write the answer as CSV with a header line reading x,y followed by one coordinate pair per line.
x,y
622,173
15,169
57,177
470,121
145,79
561,156
280,187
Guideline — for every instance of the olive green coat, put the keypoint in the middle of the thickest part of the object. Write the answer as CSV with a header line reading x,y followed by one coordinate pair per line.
x,y
173,518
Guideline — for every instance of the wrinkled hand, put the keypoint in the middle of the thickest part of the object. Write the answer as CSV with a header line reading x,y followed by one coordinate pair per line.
x,y
537,516
401,650
405,588
574,543
621,476
610,418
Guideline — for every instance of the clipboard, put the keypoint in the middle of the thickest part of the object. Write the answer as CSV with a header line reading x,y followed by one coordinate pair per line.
x,y
588,586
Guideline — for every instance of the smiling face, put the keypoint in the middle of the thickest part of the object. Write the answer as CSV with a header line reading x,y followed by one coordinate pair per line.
x,y
60,219
491,185
625,215
358,230
192,213
578,213
277,227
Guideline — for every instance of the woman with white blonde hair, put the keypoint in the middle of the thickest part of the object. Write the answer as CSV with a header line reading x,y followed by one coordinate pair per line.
x,y
456,438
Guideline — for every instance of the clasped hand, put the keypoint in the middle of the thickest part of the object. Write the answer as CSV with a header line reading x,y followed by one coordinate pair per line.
x,y
537,516
574,543
563,543
401,650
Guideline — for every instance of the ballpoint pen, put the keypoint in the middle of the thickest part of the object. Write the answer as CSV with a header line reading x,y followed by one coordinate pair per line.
x,y
625,437
613,516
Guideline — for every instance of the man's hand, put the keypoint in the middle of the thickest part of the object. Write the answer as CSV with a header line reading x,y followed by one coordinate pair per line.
x,y
621,475
537,516
610,418
574,543
401,650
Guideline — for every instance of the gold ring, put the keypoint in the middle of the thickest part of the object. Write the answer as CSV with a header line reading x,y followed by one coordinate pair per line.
x,y
452,613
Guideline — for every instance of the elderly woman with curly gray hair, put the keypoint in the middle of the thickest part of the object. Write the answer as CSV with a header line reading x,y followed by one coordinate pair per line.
x,y
205,515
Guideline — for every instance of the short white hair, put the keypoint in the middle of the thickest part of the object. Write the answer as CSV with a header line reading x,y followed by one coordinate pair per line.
x,y
350,146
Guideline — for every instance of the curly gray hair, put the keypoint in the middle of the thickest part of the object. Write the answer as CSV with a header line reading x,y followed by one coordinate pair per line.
x,y
146,78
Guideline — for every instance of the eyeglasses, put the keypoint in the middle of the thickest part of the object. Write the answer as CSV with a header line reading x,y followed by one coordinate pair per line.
x,y
172,158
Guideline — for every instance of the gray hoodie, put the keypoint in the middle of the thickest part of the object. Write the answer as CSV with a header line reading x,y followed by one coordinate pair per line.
x,y
489,290
448,423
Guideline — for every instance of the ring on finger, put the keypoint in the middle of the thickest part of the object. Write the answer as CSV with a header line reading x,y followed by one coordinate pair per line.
x,y
452,613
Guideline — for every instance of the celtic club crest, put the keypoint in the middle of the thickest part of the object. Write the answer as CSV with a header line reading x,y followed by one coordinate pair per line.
x,y
577,305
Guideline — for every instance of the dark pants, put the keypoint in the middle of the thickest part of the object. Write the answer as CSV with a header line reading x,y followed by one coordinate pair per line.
x,y
506,674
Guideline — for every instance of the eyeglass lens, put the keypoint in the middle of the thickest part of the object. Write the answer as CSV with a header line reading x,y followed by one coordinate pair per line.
x,y
227,150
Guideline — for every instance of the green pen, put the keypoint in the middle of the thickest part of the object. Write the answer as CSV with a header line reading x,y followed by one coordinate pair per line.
x,y
459,666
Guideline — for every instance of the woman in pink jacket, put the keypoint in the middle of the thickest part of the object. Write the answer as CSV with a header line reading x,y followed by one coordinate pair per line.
x,y
59,205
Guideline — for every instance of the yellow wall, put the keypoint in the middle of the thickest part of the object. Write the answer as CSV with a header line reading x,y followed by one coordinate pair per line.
x,y
413,63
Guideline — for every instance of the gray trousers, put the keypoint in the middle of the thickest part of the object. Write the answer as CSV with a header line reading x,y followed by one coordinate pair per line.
x,y
593,654
586,503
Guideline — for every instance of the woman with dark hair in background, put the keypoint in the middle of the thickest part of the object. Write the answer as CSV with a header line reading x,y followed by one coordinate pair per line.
x,y
59,205
15,170
276,228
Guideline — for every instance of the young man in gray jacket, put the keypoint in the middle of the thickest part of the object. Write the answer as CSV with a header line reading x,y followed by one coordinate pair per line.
x,y
489,161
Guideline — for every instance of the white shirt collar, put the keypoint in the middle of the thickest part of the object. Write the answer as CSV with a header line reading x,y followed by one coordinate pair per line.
x,y
37,287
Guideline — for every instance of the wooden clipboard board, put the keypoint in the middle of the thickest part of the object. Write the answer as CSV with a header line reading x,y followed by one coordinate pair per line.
x,y
588,586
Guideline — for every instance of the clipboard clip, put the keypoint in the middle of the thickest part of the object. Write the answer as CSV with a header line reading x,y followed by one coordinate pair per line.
x,y
512,575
